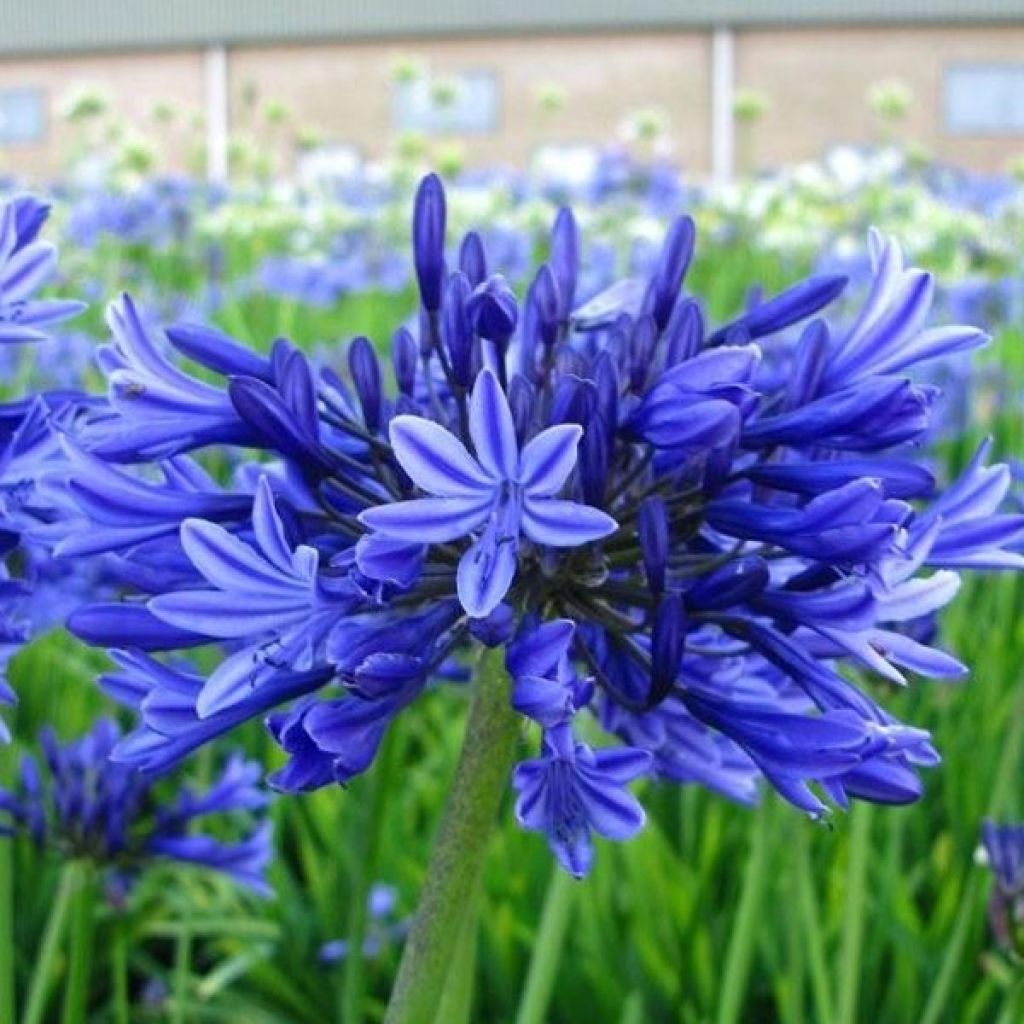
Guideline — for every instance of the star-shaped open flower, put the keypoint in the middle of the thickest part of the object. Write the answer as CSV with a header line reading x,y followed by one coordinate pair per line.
x,y
502,492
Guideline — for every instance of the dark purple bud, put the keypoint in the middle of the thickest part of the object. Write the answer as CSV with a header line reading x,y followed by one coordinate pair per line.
x,y
574,402
899,478
426,331
667,640
641,349
809,364
787,308
473,259
457,329
365,370
217,351
730,585
521,402
684,334
428,226
673,262
565,260
568,361
382,675
293,379
652,528
670,418
493,310
495,629
593,462
404,355
540,318
606,381
276,423
29,217
118,624
876,414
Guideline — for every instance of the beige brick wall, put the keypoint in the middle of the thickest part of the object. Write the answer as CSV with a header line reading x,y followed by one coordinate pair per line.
x,y
134,82
344,90
816,81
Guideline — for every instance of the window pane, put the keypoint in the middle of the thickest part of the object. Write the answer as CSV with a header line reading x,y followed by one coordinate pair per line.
x,y
21,115
985,99
464,104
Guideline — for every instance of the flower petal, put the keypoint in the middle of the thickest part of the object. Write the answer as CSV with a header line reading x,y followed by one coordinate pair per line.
x,y
492,429
548,459
564,524
428,520
486,571
435,459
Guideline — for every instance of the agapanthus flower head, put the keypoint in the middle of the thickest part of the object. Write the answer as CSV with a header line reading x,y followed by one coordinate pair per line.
x,y
28,447
73,801
695,542
1002,850
26,265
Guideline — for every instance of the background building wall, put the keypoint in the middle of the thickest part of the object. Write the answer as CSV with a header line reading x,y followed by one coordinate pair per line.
x,y
344,91
135,84
816,81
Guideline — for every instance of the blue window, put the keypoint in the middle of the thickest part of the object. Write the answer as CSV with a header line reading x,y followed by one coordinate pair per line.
x,y
462,104
22,116
985,99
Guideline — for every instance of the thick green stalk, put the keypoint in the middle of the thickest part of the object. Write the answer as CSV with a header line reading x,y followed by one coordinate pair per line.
x,y
488,750
80,933
49,949
547,950
456,1006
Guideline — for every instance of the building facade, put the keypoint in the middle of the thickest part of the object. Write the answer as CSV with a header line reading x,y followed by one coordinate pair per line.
x,y
501,85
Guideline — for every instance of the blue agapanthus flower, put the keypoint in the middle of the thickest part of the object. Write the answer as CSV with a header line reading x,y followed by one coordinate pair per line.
x,y
706,549
77,803
1002,849
27,443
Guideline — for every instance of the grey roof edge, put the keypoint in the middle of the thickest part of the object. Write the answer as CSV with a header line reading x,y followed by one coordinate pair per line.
x,y
48,27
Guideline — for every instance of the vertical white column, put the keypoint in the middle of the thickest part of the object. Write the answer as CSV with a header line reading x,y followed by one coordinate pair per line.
x,y
215,74
723,125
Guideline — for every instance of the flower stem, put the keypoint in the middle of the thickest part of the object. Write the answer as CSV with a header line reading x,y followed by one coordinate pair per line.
x,y
49,949
119,969
7,996
82,920
352,980
742,941
547,948
488,750
456,1006
855,913
182,973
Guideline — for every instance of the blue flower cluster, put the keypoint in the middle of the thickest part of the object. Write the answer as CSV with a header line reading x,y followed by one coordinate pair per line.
x,y
1002,849
27,440
692,540
78,803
